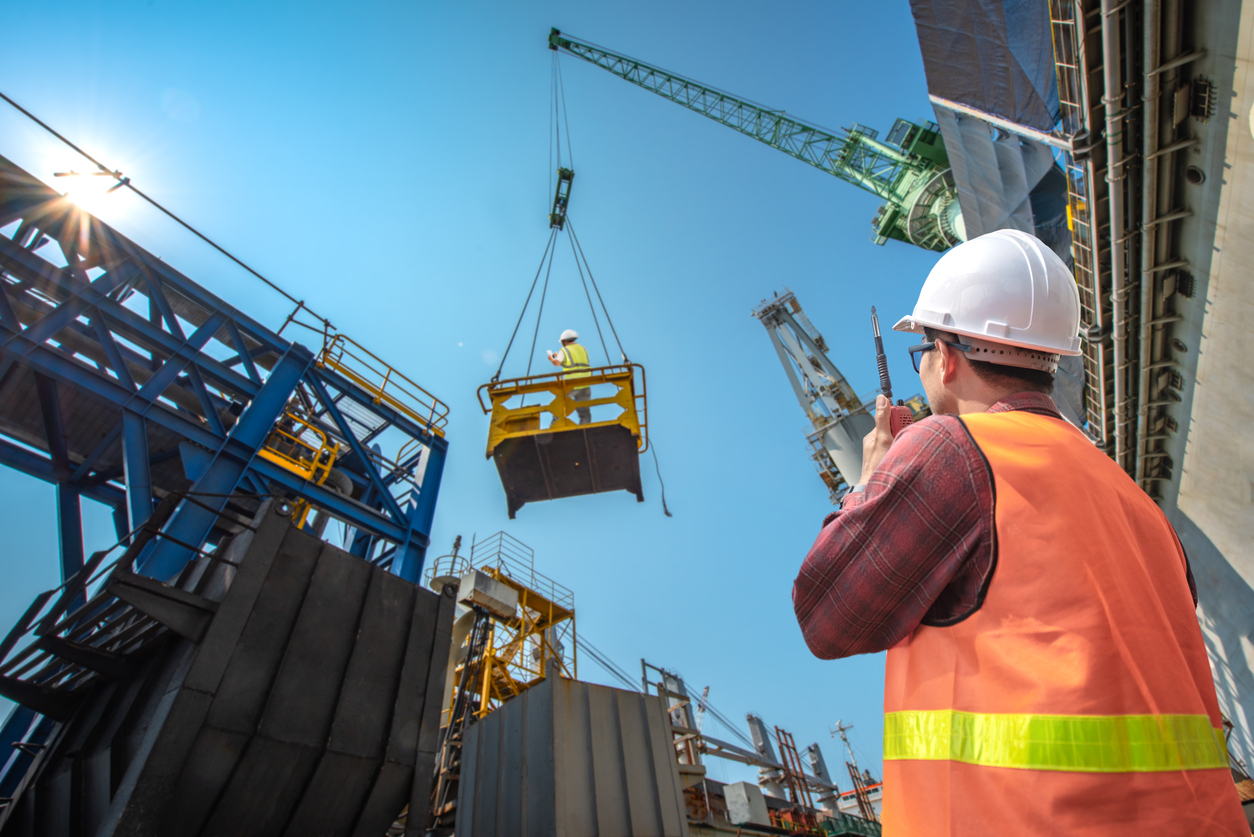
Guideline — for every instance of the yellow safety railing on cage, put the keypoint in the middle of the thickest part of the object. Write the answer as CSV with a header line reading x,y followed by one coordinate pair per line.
x,y
387,386
525,419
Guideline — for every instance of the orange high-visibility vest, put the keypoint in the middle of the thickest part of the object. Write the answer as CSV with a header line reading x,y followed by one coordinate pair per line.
x,y
1077,700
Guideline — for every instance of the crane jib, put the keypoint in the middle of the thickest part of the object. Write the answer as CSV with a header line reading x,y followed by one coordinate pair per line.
x,y
909,170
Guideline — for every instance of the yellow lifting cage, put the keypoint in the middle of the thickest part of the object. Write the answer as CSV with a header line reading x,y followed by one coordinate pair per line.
x,y
539,461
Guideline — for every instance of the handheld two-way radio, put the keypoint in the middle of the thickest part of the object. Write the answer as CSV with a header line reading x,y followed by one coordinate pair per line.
x,y
899,415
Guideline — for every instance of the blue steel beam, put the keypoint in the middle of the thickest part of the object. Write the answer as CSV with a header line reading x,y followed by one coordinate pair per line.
x,y
389,502
87,319
45,202
40,467
84,467
193,522
421,514
352,512
135,462
124,321
69,510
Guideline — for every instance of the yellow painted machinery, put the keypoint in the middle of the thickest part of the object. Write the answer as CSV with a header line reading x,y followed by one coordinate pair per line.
x,y
542,454
302,445
302,448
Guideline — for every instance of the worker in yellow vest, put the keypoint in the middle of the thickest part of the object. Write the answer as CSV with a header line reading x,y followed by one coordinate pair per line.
x,y
1046,673
573,359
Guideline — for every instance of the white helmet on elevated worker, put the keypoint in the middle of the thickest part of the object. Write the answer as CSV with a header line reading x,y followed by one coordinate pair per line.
x,y
1009,295
569,334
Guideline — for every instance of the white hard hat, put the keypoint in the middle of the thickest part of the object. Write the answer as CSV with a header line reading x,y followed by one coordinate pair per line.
x,y
569,334
1010,294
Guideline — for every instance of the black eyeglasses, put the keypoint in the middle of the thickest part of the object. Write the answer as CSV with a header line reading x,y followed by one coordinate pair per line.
x,y
916,351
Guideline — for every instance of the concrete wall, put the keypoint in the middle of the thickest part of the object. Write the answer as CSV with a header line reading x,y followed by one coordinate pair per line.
x,y
1212,505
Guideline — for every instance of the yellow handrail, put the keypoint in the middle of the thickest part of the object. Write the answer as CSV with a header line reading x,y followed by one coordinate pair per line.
x,y
361,366
508,422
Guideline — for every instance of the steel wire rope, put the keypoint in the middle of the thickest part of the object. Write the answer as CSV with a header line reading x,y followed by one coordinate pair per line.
x,y
523,313
553,107
575,240
126,181
544,292
603,660
557,122
575,237
561,87
732,728
591,307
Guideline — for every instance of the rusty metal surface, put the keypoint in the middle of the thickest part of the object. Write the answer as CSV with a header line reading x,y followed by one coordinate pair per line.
x,y
569,759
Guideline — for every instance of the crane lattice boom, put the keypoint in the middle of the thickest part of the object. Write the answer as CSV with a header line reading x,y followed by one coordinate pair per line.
x,y
908,170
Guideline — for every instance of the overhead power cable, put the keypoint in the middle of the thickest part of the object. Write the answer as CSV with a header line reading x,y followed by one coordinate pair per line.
x,y
126,181
606,663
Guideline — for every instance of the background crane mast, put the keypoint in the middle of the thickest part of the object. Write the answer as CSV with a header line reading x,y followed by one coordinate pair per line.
x,y
908,169
838,417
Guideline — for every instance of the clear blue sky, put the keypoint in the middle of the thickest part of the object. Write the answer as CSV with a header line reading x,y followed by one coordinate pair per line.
x,y
388,162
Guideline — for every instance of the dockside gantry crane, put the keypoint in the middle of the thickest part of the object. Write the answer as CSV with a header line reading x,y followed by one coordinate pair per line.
x,y
838,417
908,169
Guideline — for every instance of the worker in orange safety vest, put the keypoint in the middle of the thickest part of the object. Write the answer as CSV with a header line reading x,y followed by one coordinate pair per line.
x,y
1046,673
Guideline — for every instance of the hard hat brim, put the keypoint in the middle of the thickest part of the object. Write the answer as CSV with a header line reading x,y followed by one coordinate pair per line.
x,y
914,325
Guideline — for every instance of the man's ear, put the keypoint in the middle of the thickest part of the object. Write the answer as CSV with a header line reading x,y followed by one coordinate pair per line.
x,y
949,361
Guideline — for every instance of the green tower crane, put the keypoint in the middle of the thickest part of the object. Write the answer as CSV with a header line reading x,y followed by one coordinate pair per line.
x,y
908,169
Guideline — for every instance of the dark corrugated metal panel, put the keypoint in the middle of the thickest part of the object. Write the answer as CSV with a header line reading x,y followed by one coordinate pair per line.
x,y
310,707
572,759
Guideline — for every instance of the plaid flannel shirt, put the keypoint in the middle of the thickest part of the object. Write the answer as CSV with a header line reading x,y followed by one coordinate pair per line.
x,y
915,547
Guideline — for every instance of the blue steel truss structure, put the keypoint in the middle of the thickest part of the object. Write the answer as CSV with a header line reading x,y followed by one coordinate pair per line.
x,y
122,380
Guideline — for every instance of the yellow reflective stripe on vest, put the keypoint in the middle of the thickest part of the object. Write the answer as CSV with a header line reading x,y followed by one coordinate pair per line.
x,y
1080,743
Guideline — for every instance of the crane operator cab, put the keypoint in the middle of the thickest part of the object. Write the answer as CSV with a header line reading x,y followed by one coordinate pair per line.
x,y
582,432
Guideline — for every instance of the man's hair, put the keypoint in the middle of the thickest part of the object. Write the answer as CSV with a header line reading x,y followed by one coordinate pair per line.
x,y
998,374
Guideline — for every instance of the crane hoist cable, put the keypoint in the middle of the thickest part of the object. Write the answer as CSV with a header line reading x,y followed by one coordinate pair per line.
x,y
544,292
564,458
523,312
